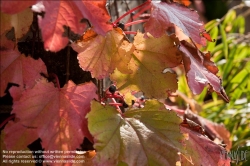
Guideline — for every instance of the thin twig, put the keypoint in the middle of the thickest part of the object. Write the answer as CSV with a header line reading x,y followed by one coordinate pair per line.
x,y
116,9
68,64
233,8
246,13
100,89
130,32
135,22
136,8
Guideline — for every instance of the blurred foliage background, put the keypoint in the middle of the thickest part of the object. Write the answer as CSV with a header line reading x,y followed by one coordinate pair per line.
x,y
226,23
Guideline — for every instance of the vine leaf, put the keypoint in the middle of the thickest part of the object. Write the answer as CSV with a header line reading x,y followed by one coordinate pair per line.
x,y
15,129
152,133
209,153
148,62
17,160
5,23
121,59
17,68
21,22
200,71
65,110
164,15
57,15
60,14
96,13
102,54
6,44
12,7
17,136
214,131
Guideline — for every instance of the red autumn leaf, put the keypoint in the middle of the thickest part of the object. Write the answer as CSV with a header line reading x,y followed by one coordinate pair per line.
x,y
5,43
64,13
200,71
16,93
216,132
96,13
17,136
57,15
12,7
56,115
202,151
17,68
164,15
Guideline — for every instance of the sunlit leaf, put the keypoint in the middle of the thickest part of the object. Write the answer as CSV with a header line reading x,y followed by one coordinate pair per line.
x,y
102,54
57,15
148,62
96,13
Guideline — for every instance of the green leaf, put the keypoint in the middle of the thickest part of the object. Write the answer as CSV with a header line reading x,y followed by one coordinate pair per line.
x,y
224,41
146,136
217,48
229,63
242,74
243,53
231,15
239,24
148,62
211,24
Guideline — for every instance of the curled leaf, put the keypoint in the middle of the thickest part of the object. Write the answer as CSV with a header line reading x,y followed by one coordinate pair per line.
x,y
164,15
202,151
200,71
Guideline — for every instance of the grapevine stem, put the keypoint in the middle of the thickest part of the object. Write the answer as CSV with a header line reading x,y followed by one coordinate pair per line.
x,y
117,107
100,89
68,63
130,32
7,120
177,110
135,22
143,9
130,11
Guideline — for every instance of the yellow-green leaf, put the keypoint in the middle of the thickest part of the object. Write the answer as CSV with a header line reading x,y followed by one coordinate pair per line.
x,y
148,61
152,133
